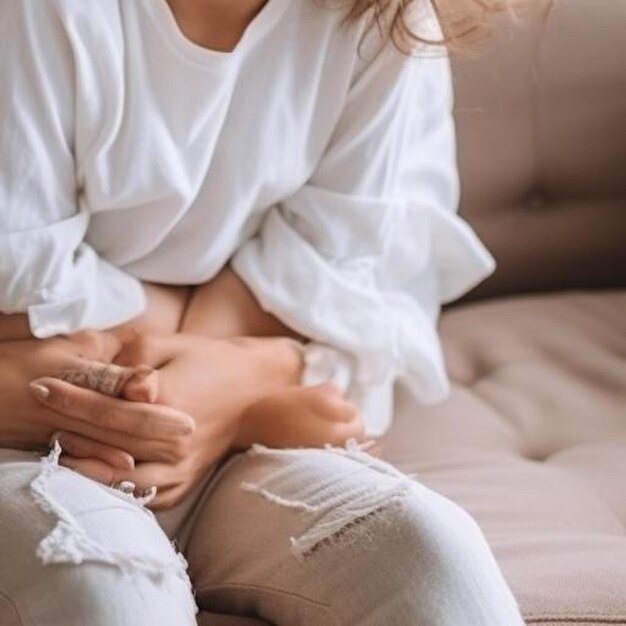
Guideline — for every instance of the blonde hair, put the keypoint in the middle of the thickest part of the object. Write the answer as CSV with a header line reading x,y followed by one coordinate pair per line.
x,y
463,22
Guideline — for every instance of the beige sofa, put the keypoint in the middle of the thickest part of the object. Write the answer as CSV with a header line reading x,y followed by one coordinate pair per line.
x,y
533,439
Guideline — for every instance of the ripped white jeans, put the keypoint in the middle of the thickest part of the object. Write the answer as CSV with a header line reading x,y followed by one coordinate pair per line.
x,y
295,537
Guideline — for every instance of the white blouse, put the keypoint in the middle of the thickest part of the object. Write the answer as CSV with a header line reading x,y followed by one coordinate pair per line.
x,y
324,172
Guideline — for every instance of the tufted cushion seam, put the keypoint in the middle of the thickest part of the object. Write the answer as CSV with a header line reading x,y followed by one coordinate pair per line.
x,y
516,443
519,446
533,445
583,621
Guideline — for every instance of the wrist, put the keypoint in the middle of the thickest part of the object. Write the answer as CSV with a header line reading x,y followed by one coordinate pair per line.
x,y
225,307
287,356
280,361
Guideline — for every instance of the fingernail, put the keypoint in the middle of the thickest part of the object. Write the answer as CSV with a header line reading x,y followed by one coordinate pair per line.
x,y
41,392
125,463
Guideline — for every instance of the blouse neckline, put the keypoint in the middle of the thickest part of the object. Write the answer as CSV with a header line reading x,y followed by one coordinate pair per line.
x,y
209,57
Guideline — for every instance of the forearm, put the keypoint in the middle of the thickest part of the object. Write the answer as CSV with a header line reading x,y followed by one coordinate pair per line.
x,y
222,307
14,327
225,307
164,313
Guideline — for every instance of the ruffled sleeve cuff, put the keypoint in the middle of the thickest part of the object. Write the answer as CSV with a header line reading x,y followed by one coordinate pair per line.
x,y
366,334
100,296
61,283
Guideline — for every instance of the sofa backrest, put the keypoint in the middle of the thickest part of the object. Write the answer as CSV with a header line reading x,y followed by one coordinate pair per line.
x,y
541,118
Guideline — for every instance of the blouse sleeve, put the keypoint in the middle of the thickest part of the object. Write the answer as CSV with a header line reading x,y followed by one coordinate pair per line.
x,y
46,268
361,257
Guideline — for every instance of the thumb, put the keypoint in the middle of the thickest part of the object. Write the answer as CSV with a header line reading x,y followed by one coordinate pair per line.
x,y
142,386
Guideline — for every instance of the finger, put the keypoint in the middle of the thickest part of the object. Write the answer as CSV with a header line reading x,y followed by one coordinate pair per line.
x,y
140,449
84,448
94,469
373,448
150,476
100,472
341,433
110,379
328,401
142,420
159,475
138,384
168,498
142,386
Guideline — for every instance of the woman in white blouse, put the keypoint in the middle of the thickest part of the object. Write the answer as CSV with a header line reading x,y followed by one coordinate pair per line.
x,y
181,174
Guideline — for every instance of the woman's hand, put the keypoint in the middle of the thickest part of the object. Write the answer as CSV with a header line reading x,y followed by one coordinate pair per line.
x,y
297,416
30,415
23,422
213,380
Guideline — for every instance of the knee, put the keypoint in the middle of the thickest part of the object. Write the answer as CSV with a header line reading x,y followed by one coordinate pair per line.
x,y
433,534
98,594
106,562
102,595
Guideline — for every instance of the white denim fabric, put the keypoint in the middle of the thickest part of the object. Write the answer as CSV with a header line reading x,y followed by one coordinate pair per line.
x,y
296,537
74,552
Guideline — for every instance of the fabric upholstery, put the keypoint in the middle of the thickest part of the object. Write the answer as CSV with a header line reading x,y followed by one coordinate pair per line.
x,y
533,439
541,117
532,442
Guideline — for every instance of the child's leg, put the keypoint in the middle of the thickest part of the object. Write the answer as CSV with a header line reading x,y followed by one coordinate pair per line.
x,y
309,537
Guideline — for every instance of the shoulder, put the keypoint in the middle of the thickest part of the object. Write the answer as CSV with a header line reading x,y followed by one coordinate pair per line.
x,y
323,29
323,23
318,33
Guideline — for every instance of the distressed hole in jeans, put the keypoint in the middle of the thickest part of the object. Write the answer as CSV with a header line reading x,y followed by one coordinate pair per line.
x,y
340,492
361,530
86,515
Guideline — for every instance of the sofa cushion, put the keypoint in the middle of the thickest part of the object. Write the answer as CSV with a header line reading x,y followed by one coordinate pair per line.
x,y
541,117
532,442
